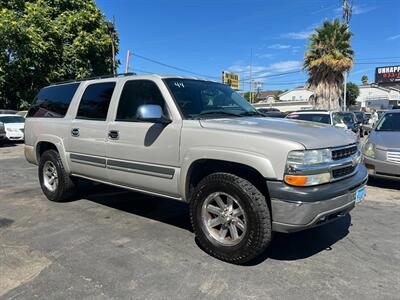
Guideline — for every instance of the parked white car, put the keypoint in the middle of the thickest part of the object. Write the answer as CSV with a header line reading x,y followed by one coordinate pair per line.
x,y
14,126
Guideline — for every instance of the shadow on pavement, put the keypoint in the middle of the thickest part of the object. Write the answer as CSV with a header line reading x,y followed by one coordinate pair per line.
x,y
384,183
164,210
293,246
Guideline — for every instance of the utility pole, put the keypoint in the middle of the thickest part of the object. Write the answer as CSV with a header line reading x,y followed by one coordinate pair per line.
x,y
111,30
344,90
251,75
347,10
128,57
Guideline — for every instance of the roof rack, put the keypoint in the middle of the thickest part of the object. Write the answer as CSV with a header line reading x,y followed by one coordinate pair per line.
x,y
94,77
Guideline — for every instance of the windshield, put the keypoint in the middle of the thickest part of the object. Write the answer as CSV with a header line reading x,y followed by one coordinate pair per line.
x,y
198,99
359,116
12,119
319,118
389,122
343,118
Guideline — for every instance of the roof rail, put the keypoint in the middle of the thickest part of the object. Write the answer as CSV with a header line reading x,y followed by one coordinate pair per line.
x,y
94,77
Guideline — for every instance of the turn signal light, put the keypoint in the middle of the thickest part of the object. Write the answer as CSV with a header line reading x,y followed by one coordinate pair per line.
x,y
296,180
307,180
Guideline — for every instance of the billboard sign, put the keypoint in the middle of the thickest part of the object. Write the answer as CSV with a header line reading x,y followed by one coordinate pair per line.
x,y
231,79
389,74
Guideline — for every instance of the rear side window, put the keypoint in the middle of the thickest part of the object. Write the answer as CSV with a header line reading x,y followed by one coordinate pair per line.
x,y
136,93
319,118
53,101
95,101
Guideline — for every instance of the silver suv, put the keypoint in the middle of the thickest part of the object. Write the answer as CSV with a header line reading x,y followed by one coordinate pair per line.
x,y
200,142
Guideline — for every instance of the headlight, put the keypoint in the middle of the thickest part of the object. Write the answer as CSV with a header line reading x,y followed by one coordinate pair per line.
x,y
309,157
11,129
308,180
369,150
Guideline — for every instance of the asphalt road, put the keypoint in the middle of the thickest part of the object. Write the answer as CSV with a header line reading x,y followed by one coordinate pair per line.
x,y
113,244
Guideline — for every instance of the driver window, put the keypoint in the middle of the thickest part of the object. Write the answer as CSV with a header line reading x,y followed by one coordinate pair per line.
x,y
136,93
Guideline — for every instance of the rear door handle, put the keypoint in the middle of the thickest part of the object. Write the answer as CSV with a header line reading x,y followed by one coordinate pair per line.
x,y
113,134
75,132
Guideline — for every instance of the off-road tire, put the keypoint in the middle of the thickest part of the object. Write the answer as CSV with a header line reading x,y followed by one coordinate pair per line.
x,y
253,202
66,188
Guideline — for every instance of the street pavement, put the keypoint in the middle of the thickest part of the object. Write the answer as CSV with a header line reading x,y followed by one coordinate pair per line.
x,y
115,244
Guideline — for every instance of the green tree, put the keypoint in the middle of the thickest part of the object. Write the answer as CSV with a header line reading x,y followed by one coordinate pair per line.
x,y
364,79
45,41
352,92
329,55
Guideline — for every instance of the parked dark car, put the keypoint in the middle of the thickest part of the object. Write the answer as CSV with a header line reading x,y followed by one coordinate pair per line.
x,y
348,118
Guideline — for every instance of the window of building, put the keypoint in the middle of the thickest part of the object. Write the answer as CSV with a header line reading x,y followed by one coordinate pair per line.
x,y
95,101
136,93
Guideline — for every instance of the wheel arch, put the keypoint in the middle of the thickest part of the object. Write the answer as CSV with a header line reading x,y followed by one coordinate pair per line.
x,y
48,142
249,166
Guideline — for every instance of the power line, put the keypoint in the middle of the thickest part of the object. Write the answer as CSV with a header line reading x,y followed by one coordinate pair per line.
x,y
173,67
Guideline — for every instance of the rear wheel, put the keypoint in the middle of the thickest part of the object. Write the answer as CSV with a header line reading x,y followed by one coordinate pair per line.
x,y
56,184
230,218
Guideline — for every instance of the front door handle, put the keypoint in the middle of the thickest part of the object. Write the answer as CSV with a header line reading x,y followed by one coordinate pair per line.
x,y
113,134
75,132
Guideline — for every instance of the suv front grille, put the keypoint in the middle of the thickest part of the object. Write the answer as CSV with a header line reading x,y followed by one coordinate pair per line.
x,y
344,152
342,172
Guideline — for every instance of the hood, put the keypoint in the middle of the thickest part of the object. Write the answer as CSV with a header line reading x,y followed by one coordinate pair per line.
x,y
14,125
385,140
310,135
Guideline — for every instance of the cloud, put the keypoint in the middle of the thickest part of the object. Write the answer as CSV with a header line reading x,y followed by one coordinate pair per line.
x,y
300,35
362,9
261,71
265,55
357,9
286,66
279,46
394,37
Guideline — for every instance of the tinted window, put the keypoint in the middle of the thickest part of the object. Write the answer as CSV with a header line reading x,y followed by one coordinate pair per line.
x,y
389,122
53,101
345,118
197,98
319,118
136,93
95,101
12,119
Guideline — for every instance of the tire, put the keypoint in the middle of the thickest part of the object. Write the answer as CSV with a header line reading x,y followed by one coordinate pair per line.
x,y
256,218
63,187
2,143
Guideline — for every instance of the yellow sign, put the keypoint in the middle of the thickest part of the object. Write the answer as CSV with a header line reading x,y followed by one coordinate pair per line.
x,y
231,79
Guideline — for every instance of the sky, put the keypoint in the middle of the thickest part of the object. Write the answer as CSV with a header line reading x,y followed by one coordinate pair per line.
x,y
203,38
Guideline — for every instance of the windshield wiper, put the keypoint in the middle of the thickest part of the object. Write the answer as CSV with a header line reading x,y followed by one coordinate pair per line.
x,y
251,113
216,112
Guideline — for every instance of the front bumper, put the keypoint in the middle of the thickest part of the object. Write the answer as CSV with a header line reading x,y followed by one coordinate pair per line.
x,y
299,208
382,169
15,136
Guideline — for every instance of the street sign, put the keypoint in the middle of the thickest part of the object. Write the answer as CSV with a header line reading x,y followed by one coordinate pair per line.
x,y
231,79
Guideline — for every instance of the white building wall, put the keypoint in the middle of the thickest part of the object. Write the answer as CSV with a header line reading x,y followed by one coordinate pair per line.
x,y
372,96
299,94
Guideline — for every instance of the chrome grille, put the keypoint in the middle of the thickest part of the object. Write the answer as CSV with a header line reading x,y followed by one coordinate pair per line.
x,y
393,157
344,152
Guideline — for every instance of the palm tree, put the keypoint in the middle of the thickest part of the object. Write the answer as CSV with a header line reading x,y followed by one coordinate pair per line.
x,y
364,80
329,56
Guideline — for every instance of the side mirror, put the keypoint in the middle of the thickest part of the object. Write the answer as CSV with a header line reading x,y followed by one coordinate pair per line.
x,y
151,113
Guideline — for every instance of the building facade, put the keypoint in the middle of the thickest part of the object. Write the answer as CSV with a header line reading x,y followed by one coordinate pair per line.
x,y
296,94
373,96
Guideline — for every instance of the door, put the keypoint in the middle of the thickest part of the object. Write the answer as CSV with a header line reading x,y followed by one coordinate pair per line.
x,y
88,132
143,155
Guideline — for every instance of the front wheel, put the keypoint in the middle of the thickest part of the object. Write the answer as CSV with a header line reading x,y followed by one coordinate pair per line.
x,y
230,218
